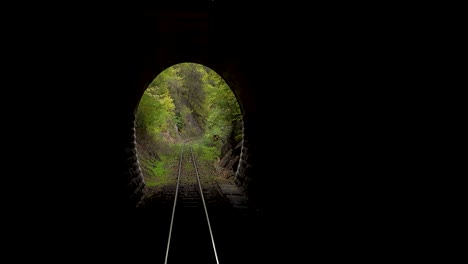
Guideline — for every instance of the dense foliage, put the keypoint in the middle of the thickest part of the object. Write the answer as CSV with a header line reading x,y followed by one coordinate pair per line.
x,y
187,101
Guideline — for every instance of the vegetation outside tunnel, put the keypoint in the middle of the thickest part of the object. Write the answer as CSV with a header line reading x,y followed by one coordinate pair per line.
x,y
185,102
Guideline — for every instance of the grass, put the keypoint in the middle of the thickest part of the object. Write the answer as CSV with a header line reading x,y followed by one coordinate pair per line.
x,y
156,172
205,152
159,171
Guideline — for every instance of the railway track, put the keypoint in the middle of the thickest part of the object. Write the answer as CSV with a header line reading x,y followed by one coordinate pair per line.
x,y
191,238
192,220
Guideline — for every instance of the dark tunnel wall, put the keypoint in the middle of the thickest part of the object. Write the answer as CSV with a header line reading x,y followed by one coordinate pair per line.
x,y
308,84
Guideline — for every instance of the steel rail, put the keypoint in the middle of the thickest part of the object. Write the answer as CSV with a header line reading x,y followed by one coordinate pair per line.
x,y
174,206
204,205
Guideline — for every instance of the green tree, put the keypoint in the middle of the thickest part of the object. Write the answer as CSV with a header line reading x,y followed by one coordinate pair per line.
x,y
189,97
224,111
156,108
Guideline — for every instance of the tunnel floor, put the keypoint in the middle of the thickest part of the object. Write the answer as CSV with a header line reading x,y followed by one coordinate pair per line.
x,y
232,224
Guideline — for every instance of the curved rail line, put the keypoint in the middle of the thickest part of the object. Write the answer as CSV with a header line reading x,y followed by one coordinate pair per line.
x,y
176,199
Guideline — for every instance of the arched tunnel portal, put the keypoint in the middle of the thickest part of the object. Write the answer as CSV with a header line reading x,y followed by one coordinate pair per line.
x,y
309,94
299,122
197,36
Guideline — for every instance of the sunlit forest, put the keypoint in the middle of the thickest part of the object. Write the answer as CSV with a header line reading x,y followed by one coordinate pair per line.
x,y
187,102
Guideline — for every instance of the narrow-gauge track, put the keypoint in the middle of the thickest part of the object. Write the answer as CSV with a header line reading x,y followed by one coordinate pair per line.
x,y
191,238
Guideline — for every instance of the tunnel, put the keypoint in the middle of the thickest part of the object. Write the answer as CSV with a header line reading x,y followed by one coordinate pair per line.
x,y
310,93
171,36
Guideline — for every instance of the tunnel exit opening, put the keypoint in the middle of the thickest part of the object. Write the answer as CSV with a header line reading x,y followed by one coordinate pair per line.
x,y
187,103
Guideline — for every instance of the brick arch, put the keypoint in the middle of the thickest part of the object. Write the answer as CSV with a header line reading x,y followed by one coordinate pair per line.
x,y
171,36
132,172
117,56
